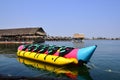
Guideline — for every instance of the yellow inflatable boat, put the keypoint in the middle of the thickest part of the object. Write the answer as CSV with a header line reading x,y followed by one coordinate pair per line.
x,y
58,55
57,60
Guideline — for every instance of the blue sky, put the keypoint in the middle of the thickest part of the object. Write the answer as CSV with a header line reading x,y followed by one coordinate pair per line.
x,y
94,18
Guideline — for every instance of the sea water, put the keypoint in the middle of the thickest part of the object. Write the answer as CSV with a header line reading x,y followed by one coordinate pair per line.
x,y
103,65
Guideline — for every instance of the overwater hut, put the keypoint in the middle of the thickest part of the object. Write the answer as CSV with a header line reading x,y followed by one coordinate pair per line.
x,y
78,37
26,35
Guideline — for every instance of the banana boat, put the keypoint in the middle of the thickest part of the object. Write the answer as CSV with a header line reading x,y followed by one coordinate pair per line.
x,y
58,55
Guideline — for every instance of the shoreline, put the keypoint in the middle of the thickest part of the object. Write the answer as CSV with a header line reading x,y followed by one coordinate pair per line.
x,y
29,42
15,42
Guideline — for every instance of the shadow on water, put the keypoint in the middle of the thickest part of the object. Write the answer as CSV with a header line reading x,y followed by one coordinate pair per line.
x,y
58,72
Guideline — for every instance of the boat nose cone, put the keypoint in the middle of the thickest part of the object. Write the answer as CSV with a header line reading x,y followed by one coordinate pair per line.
x,y
20,47
85,54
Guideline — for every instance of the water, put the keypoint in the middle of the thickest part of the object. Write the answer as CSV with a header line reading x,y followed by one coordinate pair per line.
x,y
104,64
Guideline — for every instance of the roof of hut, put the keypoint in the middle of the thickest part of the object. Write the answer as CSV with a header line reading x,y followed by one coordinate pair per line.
x,y
77,35
22,31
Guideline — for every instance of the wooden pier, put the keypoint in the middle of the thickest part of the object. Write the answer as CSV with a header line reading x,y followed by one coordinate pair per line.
x,y
58,38
76,38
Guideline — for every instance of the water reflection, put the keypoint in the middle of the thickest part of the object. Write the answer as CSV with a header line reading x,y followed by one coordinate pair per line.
x,y
78,44
68,71
8,48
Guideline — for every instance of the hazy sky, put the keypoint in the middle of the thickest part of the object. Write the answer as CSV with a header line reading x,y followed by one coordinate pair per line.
x,y
94,18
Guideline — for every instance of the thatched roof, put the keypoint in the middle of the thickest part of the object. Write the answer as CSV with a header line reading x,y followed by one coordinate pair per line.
x,y
77,35
22,31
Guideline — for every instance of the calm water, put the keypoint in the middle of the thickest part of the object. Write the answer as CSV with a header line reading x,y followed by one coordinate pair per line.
x,y
104,64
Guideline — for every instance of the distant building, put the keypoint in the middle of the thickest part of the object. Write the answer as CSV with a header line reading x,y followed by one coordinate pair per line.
x,y
78,37
22,35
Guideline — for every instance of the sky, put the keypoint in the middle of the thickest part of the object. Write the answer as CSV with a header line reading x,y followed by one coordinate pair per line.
x,y
93,18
